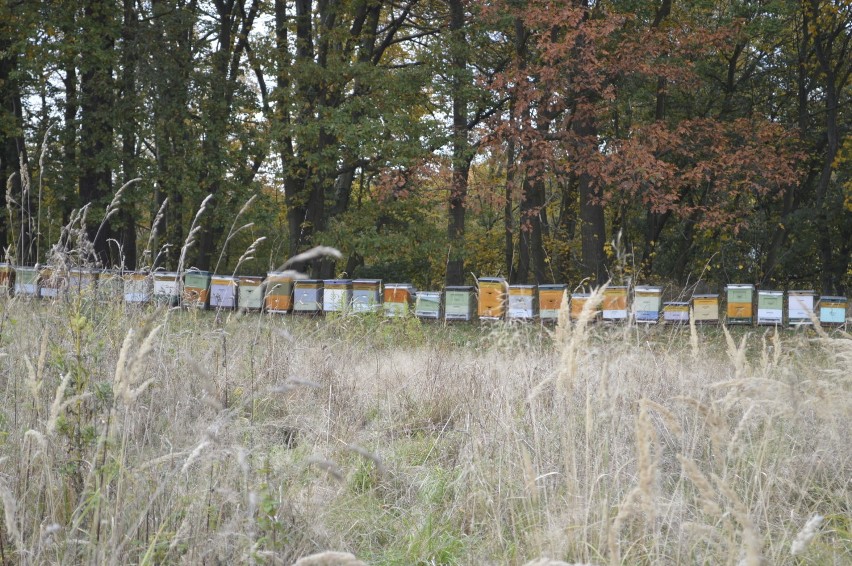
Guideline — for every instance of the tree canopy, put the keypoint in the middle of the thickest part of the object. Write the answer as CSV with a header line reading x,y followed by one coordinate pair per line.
x,y
655,141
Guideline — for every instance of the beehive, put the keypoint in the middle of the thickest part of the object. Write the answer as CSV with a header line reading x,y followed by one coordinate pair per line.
x,y
279,292
459,302
196,289
26,281
223,292
137,287
492,297
523,302
398,299
832,310
166,288
740,304
614,304
337,295
110,288
428,305
578,301
7,278
770,307
800,307
676,312
705,308
366,295
250,292
308,296
550,301
646,304
83,281
52,283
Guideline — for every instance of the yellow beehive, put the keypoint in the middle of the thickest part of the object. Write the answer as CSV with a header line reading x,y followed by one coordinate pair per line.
x,y
492,297
578,301
550,301
705,308
614,304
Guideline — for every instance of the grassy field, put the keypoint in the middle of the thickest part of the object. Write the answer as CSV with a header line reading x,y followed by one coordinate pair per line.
x,y
151,436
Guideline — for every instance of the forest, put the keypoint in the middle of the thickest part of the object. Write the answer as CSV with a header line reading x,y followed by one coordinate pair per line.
x,y
685,142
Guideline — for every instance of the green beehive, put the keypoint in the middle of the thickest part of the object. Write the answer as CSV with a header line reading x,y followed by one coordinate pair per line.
x,y
428,305
196,289
459,303
250,291
26,282
740,304
770,307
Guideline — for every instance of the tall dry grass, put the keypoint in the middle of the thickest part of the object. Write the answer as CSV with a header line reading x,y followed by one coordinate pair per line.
x,y
129,436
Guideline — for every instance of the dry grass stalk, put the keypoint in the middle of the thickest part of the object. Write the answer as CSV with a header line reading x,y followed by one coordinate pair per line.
x,y
751,541
805,536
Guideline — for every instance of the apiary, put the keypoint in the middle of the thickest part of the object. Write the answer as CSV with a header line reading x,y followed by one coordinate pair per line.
x,y
7,278
740,304
646,304
398,298
705,308
614,304
832,310
196,289
770,307
428,305
676,312
51,283
578,302
550,301
523,302
366,295
459,302
250,292
166,288
337,296
279,292
26,281
800,307
137,287
493,293
308,296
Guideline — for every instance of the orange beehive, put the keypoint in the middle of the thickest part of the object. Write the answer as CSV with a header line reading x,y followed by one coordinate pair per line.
x,y
492,297
614,304
578,301
279,292
550,301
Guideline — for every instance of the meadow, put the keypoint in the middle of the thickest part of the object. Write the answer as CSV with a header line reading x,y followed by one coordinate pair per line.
x,y
152,436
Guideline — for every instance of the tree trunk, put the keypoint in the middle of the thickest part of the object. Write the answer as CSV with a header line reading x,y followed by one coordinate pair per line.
x,y
13,158
96,131
461,146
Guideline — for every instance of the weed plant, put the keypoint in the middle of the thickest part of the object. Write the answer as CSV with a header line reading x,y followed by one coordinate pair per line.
x,y
141,435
